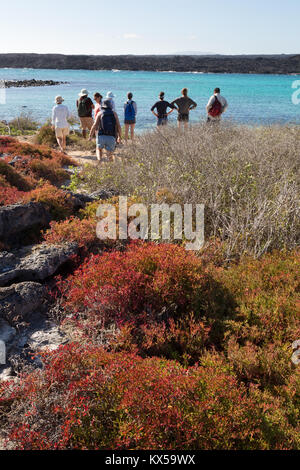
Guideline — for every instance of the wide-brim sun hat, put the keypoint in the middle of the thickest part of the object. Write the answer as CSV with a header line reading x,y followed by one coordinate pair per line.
x,y
59,99
83,93
110,95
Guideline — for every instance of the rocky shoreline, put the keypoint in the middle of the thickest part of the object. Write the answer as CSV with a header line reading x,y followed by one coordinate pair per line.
x,y
31,83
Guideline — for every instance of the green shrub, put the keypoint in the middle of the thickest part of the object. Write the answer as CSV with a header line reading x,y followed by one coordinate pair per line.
x,y
77,142
24,122
46,136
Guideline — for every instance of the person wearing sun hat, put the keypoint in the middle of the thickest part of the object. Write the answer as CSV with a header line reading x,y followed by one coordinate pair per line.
x,y
85,108
108,129
110,96
60,116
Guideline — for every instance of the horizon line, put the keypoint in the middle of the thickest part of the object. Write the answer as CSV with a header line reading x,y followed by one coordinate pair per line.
x,y
185,54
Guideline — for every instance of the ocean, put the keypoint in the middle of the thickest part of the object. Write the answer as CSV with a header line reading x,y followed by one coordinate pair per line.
x,y
253,99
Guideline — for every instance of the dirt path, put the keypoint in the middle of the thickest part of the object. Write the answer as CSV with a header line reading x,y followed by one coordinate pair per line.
x,y
25,139
82,157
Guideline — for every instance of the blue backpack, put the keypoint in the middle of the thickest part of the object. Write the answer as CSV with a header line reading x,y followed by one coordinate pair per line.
x,y
129,111
107,123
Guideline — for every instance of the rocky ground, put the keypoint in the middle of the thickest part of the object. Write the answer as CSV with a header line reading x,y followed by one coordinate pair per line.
x,y
25,271
27,317
26,325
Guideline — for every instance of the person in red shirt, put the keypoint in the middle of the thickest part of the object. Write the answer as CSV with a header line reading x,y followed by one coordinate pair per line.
x,y
98,99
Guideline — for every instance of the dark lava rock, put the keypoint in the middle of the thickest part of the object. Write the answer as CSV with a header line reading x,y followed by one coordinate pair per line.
x,y
20,300
31,83
17,218
103,194
34,263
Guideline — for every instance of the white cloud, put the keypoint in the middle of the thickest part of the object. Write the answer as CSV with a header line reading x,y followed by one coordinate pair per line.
x,y
130,36
192,37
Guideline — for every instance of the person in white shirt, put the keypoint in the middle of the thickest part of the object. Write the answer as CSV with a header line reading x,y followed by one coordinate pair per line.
x,y
60,116
216,106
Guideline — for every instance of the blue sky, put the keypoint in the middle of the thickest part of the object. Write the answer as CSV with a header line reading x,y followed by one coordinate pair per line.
x,y
150,27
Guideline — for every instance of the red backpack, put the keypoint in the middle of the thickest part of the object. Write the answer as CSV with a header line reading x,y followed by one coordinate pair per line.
x,y
216,109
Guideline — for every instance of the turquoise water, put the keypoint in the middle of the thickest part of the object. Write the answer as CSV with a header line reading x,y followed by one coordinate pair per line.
x,y
253,99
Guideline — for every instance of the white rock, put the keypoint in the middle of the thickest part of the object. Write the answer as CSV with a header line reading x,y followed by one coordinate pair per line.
x,y
7,333
296,358
6,374
50,339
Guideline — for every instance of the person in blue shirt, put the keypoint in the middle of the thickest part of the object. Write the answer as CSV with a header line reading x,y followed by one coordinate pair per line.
x,y
130,111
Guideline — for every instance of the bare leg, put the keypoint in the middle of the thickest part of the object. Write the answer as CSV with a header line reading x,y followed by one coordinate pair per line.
x,y
181,125
132,131
99,154
64,143
186,125
84,133
110,156
60,143
126,132
97,148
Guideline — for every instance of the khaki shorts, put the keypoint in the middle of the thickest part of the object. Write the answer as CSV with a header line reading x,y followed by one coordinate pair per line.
x,y
62,132
86,123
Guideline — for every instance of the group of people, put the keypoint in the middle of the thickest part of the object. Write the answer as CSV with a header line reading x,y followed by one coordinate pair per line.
x,y
216,106
105,123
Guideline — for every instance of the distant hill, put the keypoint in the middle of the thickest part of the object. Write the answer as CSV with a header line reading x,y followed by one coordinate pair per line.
x,y
264,64
192,53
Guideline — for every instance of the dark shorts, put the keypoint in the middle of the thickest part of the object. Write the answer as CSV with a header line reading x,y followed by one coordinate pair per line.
x,y
162,121
130,121
183,117
211,120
